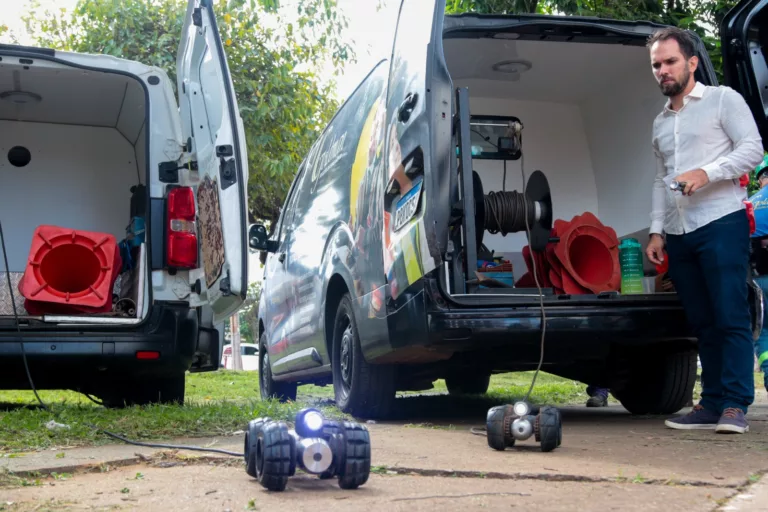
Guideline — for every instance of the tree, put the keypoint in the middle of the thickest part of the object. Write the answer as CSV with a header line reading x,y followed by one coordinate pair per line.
x,y
274,56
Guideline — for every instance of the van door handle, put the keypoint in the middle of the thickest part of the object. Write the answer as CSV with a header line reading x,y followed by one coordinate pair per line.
x,y
407,106
281,258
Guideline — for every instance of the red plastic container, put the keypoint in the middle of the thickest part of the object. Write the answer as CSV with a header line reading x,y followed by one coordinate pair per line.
x,y
70,271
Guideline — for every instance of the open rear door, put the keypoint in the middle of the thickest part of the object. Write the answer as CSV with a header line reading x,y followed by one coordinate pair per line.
x,y
416,204
211,120
744,33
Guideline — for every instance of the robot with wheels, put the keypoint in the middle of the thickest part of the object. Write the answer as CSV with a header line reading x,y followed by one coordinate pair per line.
x,y
317,446
506,424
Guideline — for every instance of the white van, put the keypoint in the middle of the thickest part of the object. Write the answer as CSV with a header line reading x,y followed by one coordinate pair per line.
x,y
97,143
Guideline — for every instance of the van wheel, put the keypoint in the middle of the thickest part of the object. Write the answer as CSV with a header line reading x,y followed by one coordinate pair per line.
x,y
658,384
146,391
268,387
361,389
469,384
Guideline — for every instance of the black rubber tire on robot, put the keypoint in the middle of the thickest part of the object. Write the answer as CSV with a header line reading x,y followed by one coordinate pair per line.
x,y
496,433
275,451
355,467
469,384
658,383
550,431
361,389
269,388
251,437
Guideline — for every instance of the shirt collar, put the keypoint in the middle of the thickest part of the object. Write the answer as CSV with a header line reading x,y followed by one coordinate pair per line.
x,y
697,92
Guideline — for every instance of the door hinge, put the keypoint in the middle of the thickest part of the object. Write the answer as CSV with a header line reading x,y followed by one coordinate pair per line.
x,y
169,171
197,17
224,286
737,47
228,173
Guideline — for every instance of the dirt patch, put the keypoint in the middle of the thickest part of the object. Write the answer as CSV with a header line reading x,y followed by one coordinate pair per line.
x,y
194,486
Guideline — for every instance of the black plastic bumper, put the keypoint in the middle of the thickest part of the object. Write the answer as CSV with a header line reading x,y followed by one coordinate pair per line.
x,y
74,358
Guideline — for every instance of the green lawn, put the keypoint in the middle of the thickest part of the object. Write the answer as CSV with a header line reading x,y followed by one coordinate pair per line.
x,y
220,403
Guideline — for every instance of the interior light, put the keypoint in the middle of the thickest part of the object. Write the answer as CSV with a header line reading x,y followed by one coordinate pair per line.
x,y
512,66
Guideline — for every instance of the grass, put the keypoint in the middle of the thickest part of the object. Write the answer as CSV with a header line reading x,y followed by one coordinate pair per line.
x,y
221,403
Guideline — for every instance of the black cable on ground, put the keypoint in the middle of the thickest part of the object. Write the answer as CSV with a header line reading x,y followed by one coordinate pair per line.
x,y
43,404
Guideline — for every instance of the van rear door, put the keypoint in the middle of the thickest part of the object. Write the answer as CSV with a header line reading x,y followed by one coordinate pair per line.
x,y
745,47
417,205
211,121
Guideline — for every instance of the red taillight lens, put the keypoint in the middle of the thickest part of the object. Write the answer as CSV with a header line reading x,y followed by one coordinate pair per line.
x,y
147,354
182,231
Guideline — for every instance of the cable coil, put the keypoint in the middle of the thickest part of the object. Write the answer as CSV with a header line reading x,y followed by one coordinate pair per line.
x,y
505,212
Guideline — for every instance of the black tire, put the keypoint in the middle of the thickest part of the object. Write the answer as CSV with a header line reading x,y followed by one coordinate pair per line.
x,y
356,465
550,430
274,451
471,384
497,428
147,391
268,387
361,389
250,444
658,383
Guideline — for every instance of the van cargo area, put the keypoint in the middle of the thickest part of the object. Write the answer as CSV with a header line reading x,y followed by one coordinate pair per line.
x,y
586,125
73,155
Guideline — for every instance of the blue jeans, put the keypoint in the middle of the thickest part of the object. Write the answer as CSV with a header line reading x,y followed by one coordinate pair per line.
x,y
761,345
709,268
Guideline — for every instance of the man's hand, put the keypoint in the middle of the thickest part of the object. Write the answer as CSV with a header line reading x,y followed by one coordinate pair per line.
x,y
655,249
693,180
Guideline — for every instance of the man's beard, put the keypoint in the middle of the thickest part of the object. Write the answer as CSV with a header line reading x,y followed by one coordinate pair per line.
x,y
675,88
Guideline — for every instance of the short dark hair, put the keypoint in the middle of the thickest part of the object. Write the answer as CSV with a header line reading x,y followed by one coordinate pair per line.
x,y
683,38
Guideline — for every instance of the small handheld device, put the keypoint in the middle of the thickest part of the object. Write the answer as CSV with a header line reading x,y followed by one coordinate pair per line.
x,y
506,424
677,186
316,445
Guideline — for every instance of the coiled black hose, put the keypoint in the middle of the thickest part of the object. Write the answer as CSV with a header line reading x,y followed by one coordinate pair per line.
x,y
505,212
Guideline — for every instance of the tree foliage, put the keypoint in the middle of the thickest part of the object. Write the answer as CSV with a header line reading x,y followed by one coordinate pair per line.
x,y
274,55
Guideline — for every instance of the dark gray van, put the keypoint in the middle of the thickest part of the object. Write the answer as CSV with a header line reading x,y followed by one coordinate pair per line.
x,y
370,281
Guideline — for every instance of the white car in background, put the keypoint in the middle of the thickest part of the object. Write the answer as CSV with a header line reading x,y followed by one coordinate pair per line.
x,y
249,353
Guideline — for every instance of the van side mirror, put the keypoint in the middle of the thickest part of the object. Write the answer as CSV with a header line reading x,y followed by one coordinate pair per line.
x,y
258,239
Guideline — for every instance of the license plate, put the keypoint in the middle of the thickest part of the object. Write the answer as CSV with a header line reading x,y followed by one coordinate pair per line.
x,y
407,206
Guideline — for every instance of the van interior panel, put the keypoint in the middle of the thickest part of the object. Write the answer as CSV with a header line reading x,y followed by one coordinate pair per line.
x,y
84,136
592,142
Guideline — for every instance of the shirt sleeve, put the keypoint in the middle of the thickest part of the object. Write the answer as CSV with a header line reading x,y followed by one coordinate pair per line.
x,y
738,123
658,197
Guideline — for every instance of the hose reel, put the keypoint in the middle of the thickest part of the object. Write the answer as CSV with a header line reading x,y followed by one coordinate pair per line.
x,y
506,212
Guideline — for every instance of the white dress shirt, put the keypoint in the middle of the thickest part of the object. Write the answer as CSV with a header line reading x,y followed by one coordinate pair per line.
x,y
714,130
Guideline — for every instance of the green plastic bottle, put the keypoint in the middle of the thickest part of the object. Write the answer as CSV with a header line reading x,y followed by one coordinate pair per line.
x,y
631,261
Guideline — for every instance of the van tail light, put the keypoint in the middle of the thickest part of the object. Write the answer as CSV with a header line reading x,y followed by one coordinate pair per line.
x,y
181,244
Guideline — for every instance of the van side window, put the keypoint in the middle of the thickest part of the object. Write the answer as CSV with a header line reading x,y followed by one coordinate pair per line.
x,y
289,207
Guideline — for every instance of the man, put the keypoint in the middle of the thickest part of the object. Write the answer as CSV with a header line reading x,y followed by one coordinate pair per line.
x,y
705,139
760,247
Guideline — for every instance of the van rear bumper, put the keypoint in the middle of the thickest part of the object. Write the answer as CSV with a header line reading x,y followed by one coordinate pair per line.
x,y
429,330
576,326
70,358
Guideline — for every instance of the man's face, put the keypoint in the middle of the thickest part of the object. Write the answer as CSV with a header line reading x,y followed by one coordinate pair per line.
x,y
670,67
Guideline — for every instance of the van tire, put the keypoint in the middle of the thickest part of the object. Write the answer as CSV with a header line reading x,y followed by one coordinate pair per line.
x,y
659,384
361,389
147,391
468,384
268,387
